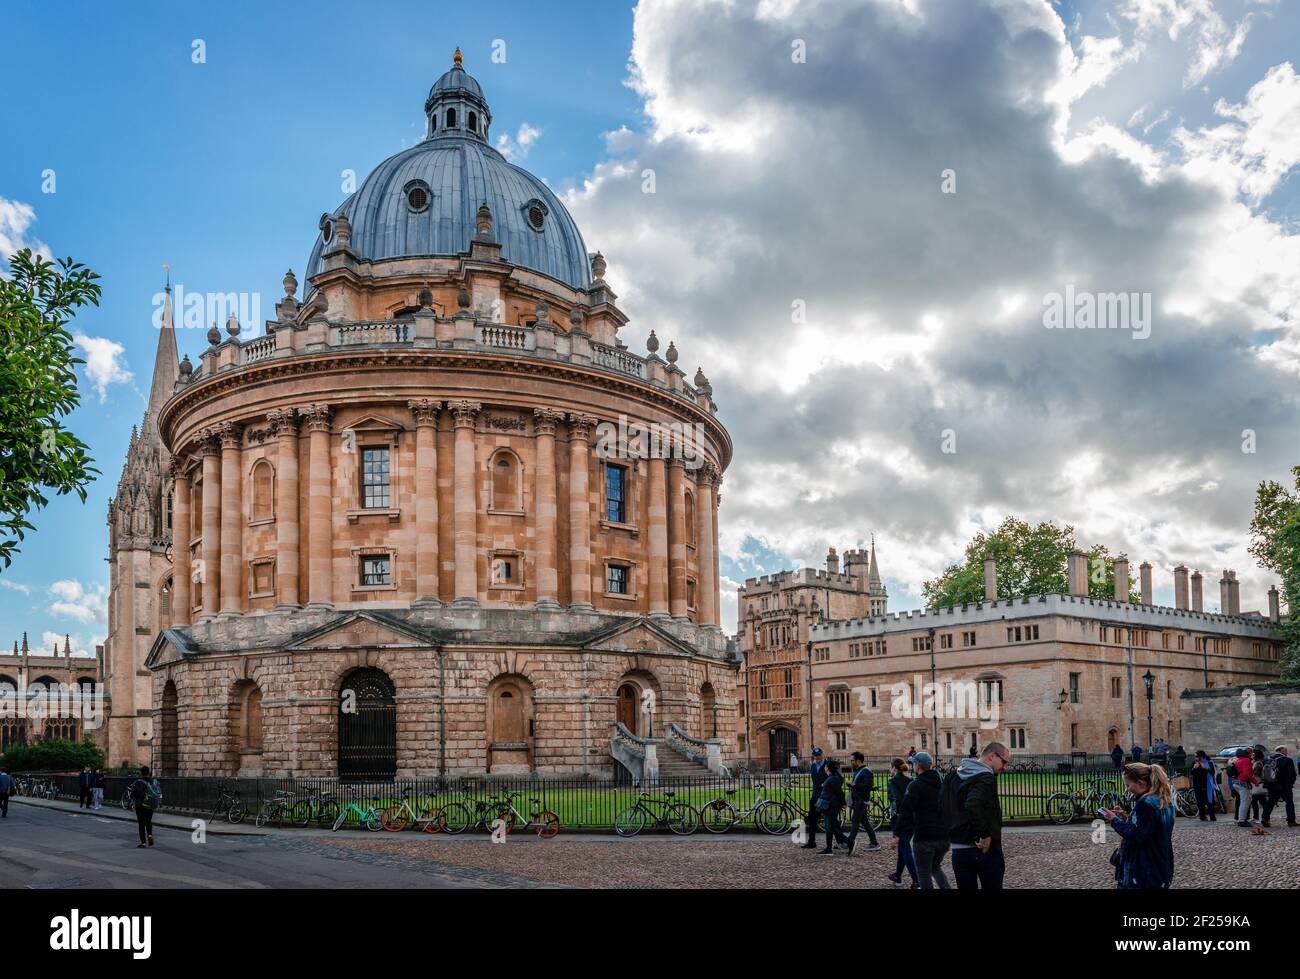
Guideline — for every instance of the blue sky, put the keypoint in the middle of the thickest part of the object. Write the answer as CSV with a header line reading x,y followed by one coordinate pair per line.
x,y
1135,144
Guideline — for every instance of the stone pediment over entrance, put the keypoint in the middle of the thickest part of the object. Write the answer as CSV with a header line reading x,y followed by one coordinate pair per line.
x,y
362,629
638,636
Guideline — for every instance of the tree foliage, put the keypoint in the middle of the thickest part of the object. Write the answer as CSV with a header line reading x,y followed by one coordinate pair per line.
x,y
54,755
38,388
1031,561
1275,544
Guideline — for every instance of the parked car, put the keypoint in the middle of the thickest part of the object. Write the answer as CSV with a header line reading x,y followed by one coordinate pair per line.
x,y
1231,750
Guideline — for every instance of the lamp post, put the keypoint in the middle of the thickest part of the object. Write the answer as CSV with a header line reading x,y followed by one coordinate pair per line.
x,y
1150,681
1061,698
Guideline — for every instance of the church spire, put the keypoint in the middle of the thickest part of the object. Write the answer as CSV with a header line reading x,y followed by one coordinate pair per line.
x,y
166,362
873,572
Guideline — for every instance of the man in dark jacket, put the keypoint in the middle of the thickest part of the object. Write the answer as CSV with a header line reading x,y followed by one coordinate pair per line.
x,y
860,800
817,772
832,801
83,783
1117,755
920,816
969,798
1283,768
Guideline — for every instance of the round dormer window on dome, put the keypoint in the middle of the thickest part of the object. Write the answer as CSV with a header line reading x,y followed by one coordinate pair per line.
x,y
417,196
535,211
326,229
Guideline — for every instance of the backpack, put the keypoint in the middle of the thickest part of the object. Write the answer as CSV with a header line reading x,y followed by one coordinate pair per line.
x,y
150,796
1269,771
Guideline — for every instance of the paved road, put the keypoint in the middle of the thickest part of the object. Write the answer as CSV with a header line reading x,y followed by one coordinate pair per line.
x,y
46,848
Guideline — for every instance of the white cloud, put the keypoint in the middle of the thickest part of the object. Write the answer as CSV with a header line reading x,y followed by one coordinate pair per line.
x,y
74,600
15,218
104,363
516,149
15,586
79,645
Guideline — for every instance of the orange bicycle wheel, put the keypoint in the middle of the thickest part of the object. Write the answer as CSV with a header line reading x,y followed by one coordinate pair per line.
x,y
549,824
394,819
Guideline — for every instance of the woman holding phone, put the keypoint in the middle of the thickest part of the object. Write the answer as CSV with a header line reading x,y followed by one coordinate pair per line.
x,y
1145,859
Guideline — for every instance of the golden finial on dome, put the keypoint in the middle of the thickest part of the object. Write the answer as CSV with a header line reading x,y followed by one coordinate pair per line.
x,y
457,57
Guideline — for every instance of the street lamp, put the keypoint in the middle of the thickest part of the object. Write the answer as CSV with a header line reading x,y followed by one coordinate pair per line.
x,y
1061,698
1150,681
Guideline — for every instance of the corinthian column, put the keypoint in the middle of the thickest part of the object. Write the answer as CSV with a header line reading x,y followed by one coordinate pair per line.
x,y
181,601
425,413
320,508
210,548
706,535
466,502
579,512
545,421
232,519
676,539
658,514
284,423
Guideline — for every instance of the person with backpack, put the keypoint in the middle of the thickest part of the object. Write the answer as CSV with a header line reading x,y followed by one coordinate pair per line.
x,y
147,795
1145,858
1257,793
1243,780
817,773
1279,779
921,818
862,783
897,788
829,804
1203,785
97,785
969,798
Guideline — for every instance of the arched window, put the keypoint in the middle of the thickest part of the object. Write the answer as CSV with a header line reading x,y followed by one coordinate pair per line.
x,y
367,725
263,489
690,518
451,118
506,482
473,122
169,731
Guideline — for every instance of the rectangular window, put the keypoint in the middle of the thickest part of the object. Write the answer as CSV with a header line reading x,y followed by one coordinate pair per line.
x,y
838,702
762,685
616,579
1074,735
968,639
841,740
945,641
375,478
615,493
1074,688
1116,689
690,595
376,570
874,701
789,684
263,578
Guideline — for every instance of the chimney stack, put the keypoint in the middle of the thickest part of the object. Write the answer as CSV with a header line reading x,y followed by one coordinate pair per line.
x,y
990,578
1225,594
1145,571
1121,579
832,562
1234,593
1274,605
1076,572
1198,592
1180,587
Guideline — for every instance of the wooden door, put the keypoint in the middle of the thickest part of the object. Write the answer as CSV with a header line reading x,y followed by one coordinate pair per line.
x,y
627,707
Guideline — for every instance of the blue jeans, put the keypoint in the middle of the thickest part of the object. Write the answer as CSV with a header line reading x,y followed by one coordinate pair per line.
x,y
905,858
975,870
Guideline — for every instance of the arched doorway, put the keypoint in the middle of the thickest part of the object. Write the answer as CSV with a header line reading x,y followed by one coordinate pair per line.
x,y
629,707
708,712
510,725
367,725
782,742
246,728
169,748
1112,738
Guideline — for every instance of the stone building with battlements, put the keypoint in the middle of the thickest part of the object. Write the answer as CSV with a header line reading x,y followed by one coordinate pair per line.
x,y
439,519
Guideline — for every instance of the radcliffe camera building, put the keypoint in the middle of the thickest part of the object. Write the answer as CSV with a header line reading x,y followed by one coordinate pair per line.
x,y
407,530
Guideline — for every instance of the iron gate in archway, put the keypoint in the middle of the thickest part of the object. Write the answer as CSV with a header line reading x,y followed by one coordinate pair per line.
x,y
367,725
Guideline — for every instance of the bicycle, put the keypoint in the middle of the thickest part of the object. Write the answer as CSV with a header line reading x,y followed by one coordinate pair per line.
x,y
678,817
772,817
397,818
456,817
1063,808
273,810
545,822
368,817
319,806
229,805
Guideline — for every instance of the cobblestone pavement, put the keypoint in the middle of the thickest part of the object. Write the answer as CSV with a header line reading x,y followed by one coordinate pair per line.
x,y
1205,855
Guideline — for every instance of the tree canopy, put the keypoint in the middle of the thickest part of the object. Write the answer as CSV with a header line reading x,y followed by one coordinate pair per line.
x,y
38,388
1275,544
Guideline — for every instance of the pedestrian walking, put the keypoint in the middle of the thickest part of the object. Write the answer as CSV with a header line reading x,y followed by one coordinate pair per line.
x,y
817,774
829,805
860,787
920,817
147,795
1117,755
1145,858
1243,780
83,785
1203,785
97,785
974,817
1279,780
972,753
896,788
1258,792
1137,752
6,790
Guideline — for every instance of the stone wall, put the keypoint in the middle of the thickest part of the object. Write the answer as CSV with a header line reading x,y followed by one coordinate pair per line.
x,y
1216,718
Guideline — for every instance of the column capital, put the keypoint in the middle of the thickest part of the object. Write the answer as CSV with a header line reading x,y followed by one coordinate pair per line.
x,y
580,425
209,442
465,412
711,474
283,421
425,412
317,417
546,420
231,435
176,468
